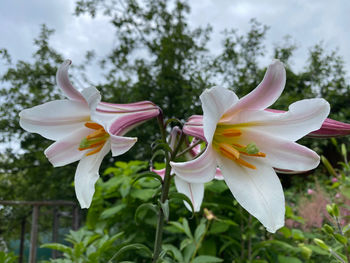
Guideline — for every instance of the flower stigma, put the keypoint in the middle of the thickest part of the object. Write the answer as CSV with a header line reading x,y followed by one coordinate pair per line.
x,y
94,141
226,142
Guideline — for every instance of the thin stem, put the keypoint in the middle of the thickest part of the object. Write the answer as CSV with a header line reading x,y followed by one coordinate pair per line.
x,y
165,189
189,148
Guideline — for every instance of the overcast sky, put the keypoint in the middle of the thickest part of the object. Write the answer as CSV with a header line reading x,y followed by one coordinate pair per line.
x,y
307,21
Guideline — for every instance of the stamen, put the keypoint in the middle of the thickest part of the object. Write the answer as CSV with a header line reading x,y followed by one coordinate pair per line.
x,y
259,154
229,151
96,150
93,125
91,145
96,134
246,164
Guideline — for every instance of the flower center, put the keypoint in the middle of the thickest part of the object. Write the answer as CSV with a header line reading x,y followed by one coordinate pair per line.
x,y
94,141
226,142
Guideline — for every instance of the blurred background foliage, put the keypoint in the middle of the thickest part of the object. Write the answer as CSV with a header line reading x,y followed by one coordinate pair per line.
x,y
157,56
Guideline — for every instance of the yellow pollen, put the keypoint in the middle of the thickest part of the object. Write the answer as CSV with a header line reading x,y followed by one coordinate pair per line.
x,y
94,141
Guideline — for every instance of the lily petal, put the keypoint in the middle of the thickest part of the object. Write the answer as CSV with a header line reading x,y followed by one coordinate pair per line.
x,y
121,144
215,102
160,172
92,97
200,170
65,150
55,119
194,192
281,153
302,118
119,122
258,191
64,83
266,93
87,175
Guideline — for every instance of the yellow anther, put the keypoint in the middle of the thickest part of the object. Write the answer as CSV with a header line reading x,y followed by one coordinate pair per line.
x,y
95,151
246,164
259,154
93,125
96,134
229,151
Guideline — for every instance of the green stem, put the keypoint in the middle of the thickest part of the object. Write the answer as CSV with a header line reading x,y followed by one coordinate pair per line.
x,y
165,189
189,148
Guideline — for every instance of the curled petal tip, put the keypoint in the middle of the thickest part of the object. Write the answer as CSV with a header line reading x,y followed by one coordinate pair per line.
x,y
67,62
64,84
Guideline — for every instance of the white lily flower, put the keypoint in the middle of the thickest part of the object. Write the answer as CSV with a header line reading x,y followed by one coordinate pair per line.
x,y
246,142
84,129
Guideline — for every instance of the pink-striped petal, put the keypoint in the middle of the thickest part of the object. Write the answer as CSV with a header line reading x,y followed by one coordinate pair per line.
x,y
119,122
87,174
64,83
121,144
200,170
194,191
331,128
65,150
258,191
55,119
267,92
215,102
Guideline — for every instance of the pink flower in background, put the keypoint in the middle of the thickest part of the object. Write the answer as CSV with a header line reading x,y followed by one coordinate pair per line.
x,y
334,179
246,142
310,191
84,129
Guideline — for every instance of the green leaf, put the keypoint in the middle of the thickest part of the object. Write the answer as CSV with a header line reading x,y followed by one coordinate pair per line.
x,y
343,240
148,174
284,259
200,231
136,246
207,259
165,208
317,250
59,247
182,197
111,212
187,228
297,234
174,251
218,227
143,207
142,194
